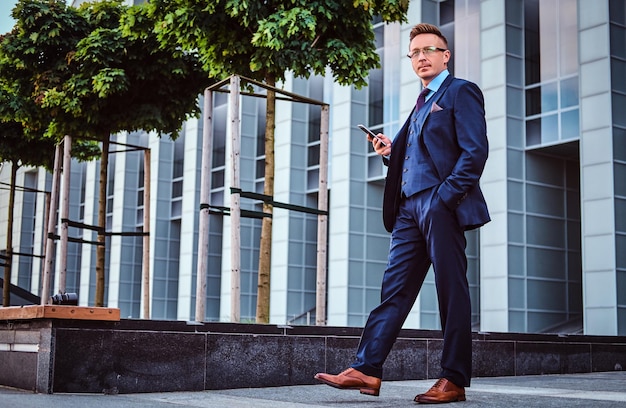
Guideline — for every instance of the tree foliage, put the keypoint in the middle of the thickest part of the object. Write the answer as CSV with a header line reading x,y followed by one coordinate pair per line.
x,y
90,78
271,37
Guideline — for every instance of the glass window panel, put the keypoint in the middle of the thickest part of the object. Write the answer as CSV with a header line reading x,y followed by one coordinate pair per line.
x,y
541,321
355,299
356,277
375,226
570,125
514,12
139,198
620,179
618,75
515,196
139,218
312,179
446,12
568,41
533,101
546,263
514,41
620,214
569,92
472,243
619,109
545,200
573,205
531,41
621,287
517,261
617,12
217,197
515,132
517,293
260,169
177,189
514,74
549,128
516,228
374,166
313,155
546,295
549,97
572,169
618,41
549,48
179,153
544,169
448,31
573,235
374,274
217,179
533,132
545,231
429,297
515,102
619,143
517,322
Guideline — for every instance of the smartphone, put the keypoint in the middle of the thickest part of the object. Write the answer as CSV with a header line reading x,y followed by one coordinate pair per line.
x,y
372,134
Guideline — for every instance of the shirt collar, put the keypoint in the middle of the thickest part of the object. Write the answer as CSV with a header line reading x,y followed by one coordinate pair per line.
x,y
435,84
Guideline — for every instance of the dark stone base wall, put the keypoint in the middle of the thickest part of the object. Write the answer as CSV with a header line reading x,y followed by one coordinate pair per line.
x,y
131,356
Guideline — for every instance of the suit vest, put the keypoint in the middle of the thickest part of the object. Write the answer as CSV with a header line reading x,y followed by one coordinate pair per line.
x,y
418,170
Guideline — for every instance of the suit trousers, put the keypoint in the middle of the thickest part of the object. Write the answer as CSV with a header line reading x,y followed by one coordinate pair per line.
x,y
425,232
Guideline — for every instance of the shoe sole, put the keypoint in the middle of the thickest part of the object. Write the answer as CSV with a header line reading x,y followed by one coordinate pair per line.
x,y
433,401
363,390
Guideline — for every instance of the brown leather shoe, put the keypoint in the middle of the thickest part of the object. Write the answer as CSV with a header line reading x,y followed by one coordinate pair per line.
x,y
352,379
443,391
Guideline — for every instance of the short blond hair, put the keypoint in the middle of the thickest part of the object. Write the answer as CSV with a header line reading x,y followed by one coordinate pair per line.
x,y
425,28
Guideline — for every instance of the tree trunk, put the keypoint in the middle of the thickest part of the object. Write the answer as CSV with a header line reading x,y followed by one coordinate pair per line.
x,y
65,212
102,214
265,250
6,289
52,226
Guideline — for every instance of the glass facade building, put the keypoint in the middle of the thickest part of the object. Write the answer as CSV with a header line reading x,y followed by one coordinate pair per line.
x,y
553,259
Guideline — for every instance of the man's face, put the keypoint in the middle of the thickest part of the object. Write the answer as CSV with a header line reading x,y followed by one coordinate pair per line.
x,y
427,65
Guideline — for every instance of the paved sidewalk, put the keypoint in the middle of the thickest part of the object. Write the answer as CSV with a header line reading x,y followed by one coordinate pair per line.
x,y
572,390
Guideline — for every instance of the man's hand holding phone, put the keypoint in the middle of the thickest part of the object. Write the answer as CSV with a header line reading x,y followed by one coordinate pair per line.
x,y
380,142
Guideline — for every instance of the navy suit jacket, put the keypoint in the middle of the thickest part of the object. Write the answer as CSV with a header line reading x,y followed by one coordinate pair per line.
x,y
454,133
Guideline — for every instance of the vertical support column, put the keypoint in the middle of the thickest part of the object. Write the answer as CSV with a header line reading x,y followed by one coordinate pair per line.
x,y
145,263
322,221
494,248
235,204
205,194
599,276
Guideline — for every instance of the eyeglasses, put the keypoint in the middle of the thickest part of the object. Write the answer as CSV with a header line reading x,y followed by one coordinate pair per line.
x,y
428,51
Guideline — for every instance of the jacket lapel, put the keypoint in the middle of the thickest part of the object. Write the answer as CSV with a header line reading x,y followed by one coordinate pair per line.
x,y
423,115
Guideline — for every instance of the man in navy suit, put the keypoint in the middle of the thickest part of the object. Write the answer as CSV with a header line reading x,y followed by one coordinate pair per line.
x,y
431,197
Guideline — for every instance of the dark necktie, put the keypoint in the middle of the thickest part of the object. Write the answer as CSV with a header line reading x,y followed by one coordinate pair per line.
x,y
422,98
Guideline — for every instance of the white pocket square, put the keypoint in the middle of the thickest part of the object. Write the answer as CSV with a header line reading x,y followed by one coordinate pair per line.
x,y
435,108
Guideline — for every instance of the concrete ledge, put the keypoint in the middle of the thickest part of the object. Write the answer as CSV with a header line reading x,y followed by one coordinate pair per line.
x,y
130,356
59,312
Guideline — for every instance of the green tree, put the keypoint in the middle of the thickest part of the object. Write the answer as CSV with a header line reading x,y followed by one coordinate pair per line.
x,y
263,40
94,79
21,144
18,150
